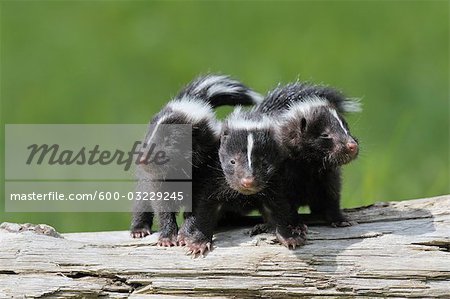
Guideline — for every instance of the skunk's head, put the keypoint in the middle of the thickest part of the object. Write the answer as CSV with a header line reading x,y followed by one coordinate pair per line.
x,y
314,131
249,154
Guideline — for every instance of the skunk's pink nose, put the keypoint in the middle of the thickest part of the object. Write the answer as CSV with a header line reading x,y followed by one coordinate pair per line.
x,y
352,147
248,182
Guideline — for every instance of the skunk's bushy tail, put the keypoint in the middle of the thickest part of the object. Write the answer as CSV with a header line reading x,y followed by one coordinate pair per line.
x,y
194,106
220,90
296,93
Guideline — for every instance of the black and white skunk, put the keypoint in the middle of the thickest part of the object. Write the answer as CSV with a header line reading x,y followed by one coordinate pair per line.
x,y
283,153
250,159
317,141
193,106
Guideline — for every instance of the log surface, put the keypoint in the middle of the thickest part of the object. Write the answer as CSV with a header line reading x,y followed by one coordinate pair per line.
x,y
398,249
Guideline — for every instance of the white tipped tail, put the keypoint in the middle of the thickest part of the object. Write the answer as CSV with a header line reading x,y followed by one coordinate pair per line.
x,y
220,90
351,105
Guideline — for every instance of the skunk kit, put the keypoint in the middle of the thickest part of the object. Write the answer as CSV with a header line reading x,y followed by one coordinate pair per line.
x,y
282,153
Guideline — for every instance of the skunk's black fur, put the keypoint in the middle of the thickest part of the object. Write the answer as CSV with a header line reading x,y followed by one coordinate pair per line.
x,y
281,98
318,142
192,106
270,173
246,178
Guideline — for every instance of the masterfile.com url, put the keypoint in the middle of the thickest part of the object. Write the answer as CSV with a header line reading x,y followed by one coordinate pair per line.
x,y
98,195
59,196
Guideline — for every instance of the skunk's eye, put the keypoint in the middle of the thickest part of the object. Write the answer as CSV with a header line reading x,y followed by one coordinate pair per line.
x,y
232,162
324,135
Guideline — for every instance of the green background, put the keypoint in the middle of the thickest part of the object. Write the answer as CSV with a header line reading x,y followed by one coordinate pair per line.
x,y
119,62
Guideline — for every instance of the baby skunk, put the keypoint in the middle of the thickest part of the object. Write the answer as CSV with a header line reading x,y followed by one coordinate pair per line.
x,y
194,106
318,142
246,179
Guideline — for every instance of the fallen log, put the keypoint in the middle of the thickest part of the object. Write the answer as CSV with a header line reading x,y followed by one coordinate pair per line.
x,y
397,249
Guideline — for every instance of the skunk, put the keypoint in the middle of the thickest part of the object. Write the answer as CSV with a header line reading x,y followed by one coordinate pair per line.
x,y
283,153
192,106
246,178
317,141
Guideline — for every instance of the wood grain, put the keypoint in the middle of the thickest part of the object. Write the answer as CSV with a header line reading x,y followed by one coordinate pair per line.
x,y
398,249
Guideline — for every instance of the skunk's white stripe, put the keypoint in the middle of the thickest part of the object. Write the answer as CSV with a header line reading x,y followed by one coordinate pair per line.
x,y
351,105
249,150
209,81
334,113
216,127
304,107
195,109
155,129
248,124
256,97
239,120
222,87
222,84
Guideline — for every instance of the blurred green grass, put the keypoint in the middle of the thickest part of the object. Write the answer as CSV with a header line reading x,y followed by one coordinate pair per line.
x,y
120,61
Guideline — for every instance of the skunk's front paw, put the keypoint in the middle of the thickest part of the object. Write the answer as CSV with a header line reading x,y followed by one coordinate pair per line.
x,y
195,243
339,220
300,229
198,247
291,238
168,241
261,229
140,233
181,239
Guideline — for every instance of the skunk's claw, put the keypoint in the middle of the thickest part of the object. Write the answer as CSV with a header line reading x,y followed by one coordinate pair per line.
x,y
198,248
292,239
140,233
167,241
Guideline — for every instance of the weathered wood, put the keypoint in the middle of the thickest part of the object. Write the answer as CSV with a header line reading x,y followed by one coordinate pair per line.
x,y
398,249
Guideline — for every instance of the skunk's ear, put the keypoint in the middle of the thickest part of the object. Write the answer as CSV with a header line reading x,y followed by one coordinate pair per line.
x,y
277,133
303,125
292,138
295,134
